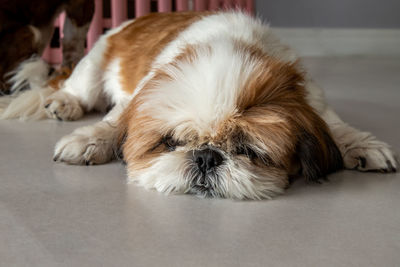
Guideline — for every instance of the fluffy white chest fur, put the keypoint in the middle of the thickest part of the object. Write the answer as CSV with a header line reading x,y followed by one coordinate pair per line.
x,y
205,103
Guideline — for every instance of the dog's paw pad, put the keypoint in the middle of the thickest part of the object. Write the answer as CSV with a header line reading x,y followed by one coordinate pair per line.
x,y
82,150
63,106
372,156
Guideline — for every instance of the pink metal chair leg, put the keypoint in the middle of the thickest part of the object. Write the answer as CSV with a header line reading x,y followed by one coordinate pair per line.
x,y
250,6
182,5
142,7
200,5
227,4
47,54
164,6
96,27
119,12
61,21
214,4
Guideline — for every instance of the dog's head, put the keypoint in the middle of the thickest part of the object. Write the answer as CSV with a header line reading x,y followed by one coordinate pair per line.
x,y
225,120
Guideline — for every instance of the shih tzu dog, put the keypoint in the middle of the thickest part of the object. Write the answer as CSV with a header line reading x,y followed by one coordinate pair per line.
x,y
204,103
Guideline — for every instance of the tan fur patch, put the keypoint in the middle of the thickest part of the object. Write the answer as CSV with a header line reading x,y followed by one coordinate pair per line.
x,y
276,113
60,77
138,44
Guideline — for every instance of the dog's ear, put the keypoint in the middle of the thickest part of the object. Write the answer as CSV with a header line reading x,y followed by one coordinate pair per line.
x,y
318,154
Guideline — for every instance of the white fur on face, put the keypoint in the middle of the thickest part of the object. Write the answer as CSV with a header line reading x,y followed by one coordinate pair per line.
x,y
166,174
203,93
237,178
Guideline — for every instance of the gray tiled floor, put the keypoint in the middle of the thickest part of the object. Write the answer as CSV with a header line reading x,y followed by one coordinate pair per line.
x,y
58,215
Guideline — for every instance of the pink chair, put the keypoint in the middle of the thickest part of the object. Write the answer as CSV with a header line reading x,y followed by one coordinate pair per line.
x,y
119,13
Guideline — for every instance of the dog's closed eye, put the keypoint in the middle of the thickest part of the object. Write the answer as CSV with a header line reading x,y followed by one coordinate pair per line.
x,y
247,151
169,142
253,155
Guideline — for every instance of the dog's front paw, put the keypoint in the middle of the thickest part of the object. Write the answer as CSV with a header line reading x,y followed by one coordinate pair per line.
x,y
370,154
80,148
63,106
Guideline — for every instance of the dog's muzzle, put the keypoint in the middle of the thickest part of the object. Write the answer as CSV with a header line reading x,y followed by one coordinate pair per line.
x,y
206,161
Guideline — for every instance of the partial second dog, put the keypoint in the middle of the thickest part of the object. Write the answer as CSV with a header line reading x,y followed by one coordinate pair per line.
x,y
26,27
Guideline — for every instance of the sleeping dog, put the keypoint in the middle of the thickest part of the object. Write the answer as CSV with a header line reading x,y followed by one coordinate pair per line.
x,y
204,103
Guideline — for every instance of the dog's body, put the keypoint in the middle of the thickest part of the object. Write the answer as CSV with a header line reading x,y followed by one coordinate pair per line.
x,y
208,103
26,27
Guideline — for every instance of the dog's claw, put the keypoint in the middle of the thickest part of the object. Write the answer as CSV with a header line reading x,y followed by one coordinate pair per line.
x,y
363,162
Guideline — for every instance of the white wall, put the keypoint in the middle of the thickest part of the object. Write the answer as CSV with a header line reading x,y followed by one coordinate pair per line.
x,y
331,13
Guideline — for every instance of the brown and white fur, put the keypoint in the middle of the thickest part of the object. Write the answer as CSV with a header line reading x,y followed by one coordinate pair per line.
x,y
206,103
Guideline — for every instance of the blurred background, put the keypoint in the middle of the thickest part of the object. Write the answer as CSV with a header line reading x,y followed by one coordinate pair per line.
x,y
335,27
311,27
383,14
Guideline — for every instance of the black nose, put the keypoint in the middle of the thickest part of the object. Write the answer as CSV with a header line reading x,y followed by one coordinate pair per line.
x,y
207,159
